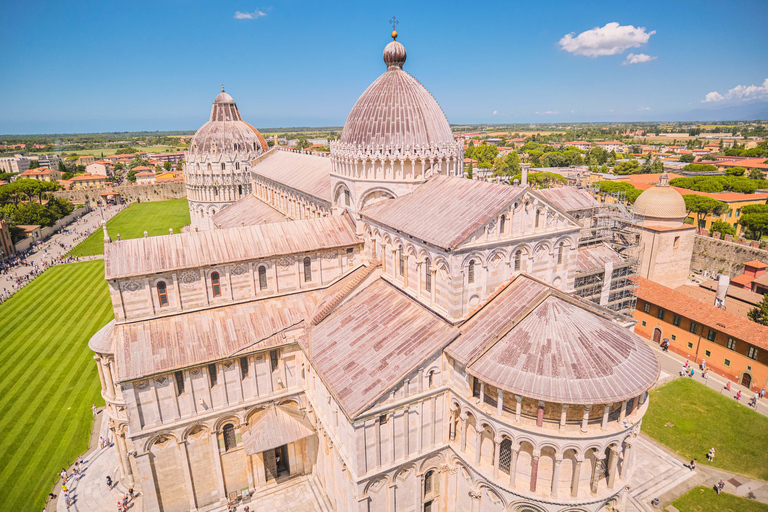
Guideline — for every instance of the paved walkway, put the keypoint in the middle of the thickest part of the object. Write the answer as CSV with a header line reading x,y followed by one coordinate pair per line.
x,y
657,472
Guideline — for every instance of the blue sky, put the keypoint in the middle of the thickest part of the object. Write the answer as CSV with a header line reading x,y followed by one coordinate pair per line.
x,y
113,65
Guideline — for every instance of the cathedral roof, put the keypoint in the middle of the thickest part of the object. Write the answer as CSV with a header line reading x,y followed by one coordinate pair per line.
x,y
554,348
144,256
396,110
372,342
309,174
444,211
661,202
569,199
248,211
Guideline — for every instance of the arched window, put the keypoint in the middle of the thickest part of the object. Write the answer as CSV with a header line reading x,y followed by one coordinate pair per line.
x,y
223,166
237,166
162,293
430,485
538,213
402,263
431,380
209,167
347,201
307,269
262,278
518,260
254,146
215,284
239,190
230,439
471,272
505,455
502,224
560,253
428,276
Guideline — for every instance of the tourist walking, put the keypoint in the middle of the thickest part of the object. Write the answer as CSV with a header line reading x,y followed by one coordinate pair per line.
x,y
738,395
109,482
693,464
719,487
711,455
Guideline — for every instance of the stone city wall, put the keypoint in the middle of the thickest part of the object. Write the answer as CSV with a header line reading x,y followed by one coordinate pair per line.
x,y
130,193
43,233
711,255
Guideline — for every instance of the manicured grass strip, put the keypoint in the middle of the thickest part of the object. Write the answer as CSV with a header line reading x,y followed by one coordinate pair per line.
x,y
704,418
705,499
48,378
154,218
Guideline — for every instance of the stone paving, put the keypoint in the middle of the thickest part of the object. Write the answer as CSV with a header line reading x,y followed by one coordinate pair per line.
x,y
656,473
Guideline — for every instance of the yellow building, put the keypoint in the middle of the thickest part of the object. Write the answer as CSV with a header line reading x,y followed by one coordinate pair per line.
x,y
88,181
41,174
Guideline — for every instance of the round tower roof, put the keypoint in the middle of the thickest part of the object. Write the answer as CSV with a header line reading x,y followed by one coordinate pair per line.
x,y
396,110
661,202
226,130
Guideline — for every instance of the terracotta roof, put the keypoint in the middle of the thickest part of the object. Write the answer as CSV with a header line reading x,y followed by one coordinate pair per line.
x,y
143,168
740,294
707,296
87,176
143,256
145,173
561,352
756,264
761,279
370,343
455,207
569,199
248,211
306,173
743,279
595,257
701,313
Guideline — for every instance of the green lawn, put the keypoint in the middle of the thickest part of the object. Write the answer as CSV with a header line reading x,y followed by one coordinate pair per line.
x,y
704,418
155,218
705,499
48,378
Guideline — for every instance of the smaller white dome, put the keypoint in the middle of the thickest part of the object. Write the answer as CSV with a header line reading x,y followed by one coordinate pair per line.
x,y
661,202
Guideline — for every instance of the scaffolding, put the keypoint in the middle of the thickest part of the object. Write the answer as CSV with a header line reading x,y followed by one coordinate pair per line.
x,y
614,225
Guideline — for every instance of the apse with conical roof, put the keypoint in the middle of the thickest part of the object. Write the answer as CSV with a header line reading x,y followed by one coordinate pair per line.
x,y
217,171
395,137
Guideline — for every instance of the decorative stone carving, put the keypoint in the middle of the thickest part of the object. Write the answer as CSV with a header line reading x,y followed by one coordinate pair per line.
x,y
188,279
239,270
142,384
330,255
286,261
132,286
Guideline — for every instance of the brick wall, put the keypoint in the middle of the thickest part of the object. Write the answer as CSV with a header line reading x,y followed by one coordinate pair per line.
x,y
723,256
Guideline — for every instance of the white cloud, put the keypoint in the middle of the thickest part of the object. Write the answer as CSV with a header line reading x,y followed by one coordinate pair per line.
x,y
644,108
637,58
249,15
739,93
608,40
495,112
548,113
573,111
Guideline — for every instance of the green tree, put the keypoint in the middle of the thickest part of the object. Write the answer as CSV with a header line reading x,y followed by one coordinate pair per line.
x,y
723,228
687,158
735,171
760,313
658,166
613,187
703,206
754,218
708,157
179,167
700,168
34,164
629,167
167,166
506,166
756,174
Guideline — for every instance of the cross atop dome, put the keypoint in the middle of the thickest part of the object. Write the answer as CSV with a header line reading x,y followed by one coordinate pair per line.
x,y
394,24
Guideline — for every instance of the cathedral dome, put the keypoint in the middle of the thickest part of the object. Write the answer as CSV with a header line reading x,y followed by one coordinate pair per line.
x,y
226,131
396,110
661,202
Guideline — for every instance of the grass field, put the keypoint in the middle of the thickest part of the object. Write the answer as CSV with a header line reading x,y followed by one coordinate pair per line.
x,y
48,378
154,218
705,499
704,418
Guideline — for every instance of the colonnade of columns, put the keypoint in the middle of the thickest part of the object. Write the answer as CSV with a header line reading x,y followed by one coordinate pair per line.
x,y
290,203
383,169
218,193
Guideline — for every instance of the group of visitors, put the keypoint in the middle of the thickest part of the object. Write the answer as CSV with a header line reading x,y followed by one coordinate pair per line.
x,y
67,478
126,501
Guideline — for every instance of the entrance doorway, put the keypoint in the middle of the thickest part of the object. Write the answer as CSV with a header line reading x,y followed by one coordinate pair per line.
x,y
746,380
657,336
281,460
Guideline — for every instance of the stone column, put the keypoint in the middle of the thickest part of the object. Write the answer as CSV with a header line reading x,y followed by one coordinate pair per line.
x,y
540,415
625,461
496,450
613,462
556,477
391,495
500,401
518,407
513,468
631,405
597,472
101,374
563,417
475,497
217,465
125,464
377,439
187,475
147,482
576,478
623,412
534,471
479,444
585,419
606,413
482,393
108,377
463,418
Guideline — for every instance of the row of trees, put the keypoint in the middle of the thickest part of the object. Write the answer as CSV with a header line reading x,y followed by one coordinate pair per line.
x,y
18,205
714,184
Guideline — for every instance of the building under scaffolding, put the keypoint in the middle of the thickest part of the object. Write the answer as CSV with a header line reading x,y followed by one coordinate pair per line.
x,y
609,256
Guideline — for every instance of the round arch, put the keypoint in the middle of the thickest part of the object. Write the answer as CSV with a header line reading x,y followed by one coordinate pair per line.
x,y
375,195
